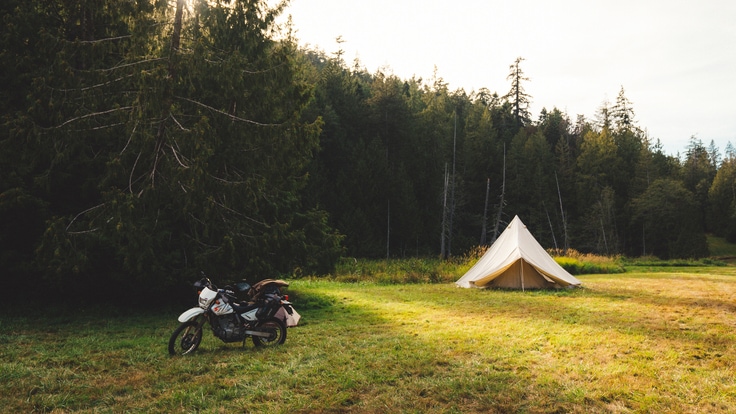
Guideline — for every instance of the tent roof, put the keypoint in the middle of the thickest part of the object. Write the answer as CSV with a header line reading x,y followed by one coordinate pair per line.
x,y
514,244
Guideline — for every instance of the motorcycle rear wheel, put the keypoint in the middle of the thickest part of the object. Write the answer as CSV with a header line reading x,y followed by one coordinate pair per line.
x,y
276,328
185,339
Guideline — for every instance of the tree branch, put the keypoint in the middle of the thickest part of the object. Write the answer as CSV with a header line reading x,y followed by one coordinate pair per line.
x,y
177,122
99,85
108,39
251,219
109,111
130,138
176,155
83,212
140,62
132,170
233,117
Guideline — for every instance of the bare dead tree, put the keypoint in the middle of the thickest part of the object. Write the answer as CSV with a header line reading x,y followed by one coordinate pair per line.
x,y
503,201
388,229
551,228
484,232
564,219
452,189
443,236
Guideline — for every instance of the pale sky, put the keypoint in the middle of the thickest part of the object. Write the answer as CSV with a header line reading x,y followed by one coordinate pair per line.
x,y
676,60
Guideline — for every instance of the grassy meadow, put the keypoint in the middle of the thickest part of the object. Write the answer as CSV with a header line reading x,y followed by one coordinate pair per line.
x,y
650,340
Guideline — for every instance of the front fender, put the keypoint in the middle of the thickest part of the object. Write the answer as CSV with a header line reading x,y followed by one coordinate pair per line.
x,y
191,313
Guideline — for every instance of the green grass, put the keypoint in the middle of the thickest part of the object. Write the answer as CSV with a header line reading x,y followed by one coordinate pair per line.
x,y
632,342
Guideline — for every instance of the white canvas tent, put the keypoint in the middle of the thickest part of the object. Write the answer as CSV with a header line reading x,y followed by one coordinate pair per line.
x,y
517,261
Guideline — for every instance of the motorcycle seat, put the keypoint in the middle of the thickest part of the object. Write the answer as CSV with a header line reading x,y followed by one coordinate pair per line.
x,y
243,307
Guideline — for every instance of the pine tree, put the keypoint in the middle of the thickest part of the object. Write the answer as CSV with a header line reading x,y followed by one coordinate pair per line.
x,y
622,112
698,172
518,97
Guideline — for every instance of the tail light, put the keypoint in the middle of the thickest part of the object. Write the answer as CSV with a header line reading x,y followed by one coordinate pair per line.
x,y
286,298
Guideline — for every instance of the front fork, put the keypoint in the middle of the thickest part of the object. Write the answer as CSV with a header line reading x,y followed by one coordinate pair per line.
x,y
199,320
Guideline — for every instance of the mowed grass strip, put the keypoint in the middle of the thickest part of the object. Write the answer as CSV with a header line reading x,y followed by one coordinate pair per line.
x,y
635,342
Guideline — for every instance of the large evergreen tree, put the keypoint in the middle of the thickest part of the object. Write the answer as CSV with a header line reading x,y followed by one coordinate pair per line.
x,y
175,144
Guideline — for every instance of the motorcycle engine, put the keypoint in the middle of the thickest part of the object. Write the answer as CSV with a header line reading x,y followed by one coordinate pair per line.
x,y
229,328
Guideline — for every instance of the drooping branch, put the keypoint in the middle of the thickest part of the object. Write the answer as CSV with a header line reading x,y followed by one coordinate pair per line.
x,y
177,122
157,154
130,138
97,128
140,62
229,182
107,39
99,85
83,212
79,118
239,214
233,117
132,170
176,155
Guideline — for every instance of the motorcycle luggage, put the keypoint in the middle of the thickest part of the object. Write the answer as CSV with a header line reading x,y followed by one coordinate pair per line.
x,y
291,319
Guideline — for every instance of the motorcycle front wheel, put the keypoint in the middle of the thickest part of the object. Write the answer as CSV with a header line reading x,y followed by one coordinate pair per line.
x,y
185,339
276,329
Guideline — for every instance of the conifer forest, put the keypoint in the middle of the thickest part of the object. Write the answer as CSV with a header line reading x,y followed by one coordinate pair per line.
x,y
144,141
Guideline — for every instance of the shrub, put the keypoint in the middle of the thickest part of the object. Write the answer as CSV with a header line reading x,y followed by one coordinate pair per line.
x,y
577,263
396,271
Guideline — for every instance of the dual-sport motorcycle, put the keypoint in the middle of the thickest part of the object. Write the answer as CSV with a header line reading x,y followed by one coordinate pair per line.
x,y
264,315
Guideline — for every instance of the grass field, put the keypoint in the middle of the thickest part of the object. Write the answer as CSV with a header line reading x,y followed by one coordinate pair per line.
x,y
655,341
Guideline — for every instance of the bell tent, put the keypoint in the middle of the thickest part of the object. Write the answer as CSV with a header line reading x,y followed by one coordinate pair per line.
x,y
517,261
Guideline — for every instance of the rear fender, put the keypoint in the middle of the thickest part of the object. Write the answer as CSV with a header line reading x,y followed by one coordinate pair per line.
x,y
190,314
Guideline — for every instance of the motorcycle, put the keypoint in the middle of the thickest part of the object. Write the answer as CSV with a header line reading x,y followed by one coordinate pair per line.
x,y
263,316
